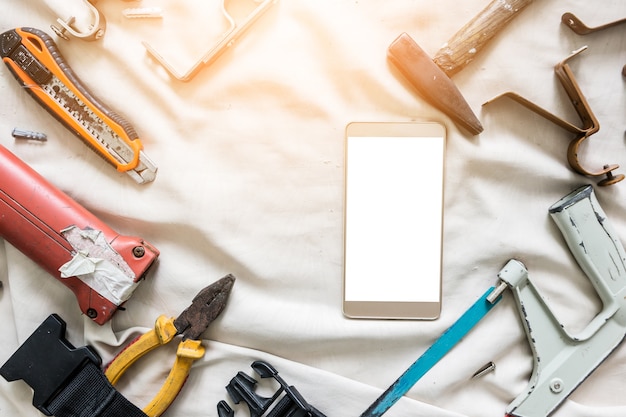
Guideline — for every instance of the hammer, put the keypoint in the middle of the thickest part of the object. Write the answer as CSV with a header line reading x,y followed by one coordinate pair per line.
x,y
432,77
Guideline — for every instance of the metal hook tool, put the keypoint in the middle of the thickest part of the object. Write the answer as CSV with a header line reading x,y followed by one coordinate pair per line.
x,y
590,124
96,28
227,39
574,23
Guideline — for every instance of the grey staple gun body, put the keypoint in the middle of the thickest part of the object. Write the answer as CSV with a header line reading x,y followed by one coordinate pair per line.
x,y
562,361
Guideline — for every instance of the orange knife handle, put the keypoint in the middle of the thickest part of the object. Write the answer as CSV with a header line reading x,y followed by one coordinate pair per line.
x,y
462,48
34,59
34,216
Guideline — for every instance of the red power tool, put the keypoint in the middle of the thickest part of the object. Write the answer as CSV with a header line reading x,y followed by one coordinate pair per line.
x,y
99,265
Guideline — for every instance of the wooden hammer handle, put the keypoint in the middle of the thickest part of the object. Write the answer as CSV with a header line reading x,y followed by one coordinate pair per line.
x,y
471,38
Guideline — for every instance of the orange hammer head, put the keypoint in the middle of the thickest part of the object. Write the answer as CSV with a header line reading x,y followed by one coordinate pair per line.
x,y
432,83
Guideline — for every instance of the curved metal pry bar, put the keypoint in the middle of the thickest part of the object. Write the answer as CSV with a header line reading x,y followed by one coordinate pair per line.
x,y
590,124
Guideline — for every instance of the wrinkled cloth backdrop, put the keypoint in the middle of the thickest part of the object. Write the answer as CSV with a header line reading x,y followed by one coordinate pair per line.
x,y
250,182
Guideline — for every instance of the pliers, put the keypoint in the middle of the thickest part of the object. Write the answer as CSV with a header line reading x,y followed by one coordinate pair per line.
x,y
191,323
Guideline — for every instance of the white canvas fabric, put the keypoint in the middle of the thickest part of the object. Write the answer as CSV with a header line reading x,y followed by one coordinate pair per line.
x,y
250,157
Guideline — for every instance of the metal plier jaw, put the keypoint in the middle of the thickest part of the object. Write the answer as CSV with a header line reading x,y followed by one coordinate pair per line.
x,y
206,306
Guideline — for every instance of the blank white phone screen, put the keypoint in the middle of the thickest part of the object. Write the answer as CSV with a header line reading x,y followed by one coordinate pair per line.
x,y
393,221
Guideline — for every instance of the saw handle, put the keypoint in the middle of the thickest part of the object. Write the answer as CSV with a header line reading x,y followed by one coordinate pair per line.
x,y
461,49
562,361
596,247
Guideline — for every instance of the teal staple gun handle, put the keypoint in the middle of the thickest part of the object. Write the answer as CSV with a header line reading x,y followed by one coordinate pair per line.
x,y
562,361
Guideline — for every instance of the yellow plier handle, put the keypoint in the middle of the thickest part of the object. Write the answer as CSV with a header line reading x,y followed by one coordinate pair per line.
x,y
188,351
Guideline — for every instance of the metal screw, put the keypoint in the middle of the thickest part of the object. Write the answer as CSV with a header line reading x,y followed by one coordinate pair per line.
x,y
92,314
556,385
485,369
139,251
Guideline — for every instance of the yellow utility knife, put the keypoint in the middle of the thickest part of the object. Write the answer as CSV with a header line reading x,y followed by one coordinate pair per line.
x,y
35,61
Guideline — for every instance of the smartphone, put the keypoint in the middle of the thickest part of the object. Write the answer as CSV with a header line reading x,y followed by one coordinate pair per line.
x,y
393,220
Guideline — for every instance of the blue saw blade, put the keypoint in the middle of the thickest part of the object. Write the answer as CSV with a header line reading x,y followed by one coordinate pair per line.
x,y
433,354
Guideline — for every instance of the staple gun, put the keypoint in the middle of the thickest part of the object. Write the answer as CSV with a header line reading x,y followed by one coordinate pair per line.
x,y
99,265
37,64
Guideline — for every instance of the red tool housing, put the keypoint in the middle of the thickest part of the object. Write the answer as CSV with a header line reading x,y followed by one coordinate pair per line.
x,y
33,214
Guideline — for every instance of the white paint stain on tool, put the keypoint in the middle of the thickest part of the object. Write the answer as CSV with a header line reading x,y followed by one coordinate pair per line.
x,y
98,265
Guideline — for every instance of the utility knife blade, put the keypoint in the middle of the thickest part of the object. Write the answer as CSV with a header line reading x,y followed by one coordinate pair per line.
x,y
35,61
